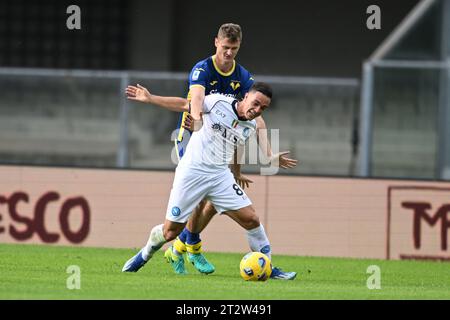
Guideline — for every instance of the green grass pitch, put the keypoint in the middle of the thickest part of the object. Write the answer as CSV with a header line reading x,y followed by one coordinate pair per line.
x,y
40,272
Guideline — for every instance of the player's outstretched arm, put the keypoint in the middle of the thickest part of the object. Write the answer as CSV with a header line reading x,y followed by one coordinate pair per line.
x,y
279,159
141,94
261,135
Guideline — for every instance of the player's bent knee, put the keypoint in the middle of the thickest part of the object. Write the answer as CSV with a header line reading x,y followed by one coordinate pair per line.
x,y
169,235
170,232
172,229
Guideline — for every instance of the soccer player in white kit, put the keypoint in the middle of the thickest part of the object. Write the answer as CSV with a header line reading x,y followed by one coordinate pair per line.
x,y
203,172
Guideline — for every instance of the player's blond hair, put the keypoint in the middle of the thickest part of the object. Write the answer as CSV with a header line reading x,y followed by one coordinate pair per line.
x,y
230,31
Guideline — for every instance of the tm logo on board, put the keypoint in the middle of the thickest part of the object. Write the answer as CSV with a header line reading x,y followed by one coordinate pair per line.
x,y
418,223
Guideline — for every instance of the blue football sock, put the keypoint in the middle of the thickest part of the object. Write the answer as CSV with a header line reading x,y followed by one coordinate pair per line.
x,y
192,238
183,235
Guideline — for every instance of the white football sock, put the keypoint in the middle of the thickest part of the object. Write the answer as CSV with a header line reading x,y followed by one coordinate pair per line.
x,y
258,241
154,243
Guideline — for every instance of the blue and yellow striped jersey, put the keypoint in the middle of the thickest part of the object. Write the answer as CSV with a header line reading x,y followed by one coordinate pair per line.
x,y
235,83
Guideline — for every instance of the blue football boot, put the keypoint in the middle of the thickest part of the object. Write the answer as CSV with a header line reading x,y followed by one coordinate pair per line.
x,y
135,263
278,274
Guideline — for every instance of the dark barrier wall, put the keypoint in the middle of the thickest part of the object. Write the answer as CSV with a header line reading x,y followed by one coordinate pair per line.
x,y
308,38
285,37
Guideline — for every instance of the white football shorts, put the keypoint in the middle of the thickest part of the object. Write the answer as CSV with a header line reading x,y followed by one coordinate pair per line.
x,y
190,187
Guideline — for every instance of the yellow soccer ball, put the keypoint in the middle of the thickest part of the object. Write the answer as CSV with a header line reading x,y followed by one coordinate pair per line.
x,y
255,266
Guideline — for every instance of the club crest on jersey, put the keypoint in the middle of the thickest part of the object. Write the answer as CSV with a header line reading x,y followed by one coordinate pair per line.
x,y
235,123
176,211
246,132
235,85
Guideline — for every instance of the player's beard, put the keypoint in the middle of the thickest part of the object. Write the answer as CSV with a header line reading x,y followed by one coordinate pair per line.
x,y
250,115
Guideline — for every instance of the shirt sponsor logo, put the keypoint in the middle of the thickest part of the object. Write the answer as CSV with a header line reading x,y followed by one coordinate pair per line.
x,y
216,127
220,113
214,91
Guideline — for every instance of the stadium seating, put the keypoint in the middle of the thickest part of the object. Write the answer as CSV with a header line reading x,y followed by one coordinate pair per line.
x,y
405,118
76,121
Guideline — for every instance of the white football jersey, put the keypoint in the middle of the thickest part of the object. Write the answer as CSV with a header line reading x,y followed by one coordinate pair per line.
x,y
211,148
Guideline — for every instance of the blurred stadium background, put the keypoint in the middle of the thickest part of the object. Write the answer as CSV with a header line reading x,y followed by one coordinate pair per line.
x,y
349,101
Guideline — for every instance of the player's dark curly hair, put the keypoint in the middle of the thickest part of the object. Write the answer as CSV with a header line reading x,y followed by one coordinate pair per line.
x,y
262,87
230,31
